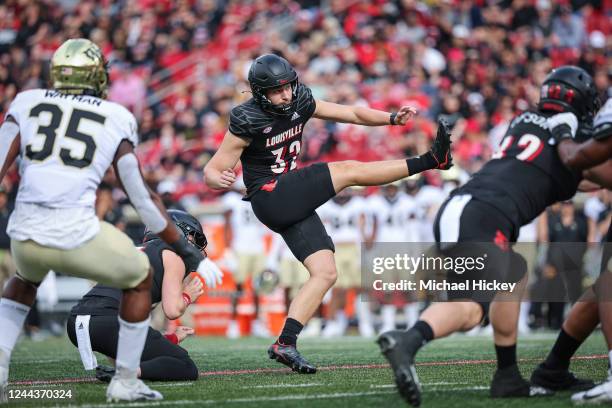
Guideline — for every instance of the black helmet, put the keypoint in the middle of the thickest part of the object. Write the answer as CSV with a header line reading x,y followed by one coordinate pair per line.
x,y
271,71
570,89
188,224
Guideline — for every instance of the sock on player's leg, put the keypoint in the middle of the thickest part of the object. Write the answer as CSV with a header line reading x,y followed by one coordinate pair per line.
x,y
342,320
506,356
132,337
387,314
290,332
364,316
421,333
425,330
411,313
12,316
562,351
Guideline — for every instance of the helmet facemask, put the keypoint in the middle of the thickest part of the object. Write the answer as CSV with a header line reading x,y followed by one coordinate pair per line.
x,y
268,106
195,237
570,89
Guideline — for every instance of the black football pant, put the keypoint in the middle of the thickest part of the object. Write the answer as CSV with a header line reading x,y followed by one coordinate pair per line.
x,y
288,207
161,359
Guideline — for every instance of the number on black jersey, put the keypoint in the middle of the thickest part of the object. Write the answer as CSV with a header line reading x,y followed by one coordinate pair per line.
x,y
286,155
525,148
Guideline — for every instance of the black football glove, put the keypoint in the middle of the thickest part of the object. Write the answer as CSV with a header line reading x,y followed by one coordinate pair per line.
x,y
440,149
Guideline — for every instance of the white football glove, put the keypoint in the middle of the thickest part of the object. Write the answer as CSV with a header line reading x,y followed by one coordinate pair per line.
x,y
563,119
210,272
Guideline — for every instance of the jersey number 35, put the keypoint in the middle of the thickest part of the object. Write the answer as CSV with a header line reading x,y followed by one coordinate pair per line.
x,y
72,131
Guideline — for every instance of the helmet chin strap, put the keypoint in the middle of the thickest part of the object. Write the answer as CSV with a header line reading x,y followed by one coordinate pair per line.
x,y
277,109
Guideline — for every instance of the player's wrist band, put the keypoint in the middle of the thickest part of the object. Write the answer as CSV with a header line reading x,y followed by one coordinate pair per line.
x,y
421,163
392,117
602,131
186,299
562,132
172,338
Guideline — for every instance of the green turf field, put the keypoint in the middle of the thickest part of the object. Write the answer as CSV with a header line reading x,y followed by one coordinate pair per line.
x,y
455,372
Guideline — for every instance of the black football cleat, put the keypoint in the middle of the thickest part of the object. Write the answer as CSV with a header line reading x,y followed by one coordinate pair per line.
x,y
105,373
559,380
289,356
399,348
508,383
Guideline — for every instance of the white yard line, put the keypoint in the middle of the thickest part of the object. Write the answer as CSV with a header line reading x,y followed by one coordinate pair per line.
x,y
423,384
173,384
474,388
45,360
241,400
284,385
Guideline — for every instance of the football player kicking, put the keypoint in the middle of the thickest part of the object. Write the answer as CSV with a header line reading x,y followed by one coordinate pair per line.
x,y
93,326
66,138
594,305
484,216
265,134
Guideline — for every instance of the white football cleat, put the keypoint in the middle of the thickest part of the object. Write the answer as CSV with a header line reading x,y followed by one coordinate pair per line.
x,y
132,389
386,328
259,329
366,330
387,315
596,395
312,328
332,329
233,330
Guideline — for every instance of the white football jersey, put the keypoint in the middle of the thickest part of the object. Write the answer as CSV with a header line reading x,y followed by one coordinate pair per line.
x,y
396,219
429,199
604,116
342,221
248,232
67,144
528,232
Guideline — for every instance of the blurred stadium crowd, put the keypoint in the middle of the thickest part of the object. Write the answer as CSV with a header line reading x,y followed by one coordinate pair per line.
x,y
181,66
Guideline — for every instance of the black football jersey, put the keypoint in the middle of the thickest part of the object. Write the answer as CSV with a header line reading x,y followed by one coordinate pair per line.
x,y
275,140
104,300
526,175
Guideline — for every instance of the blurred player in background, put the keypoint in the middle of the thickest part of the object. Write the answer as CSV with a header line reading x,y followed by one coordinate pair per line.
x,y
397,222
342,217
66,138
292,275
265,134
244,234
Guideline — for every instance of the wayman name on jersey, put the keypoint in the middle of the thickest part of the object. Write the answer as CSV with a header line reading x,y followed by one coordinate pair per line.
x,y
49,93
